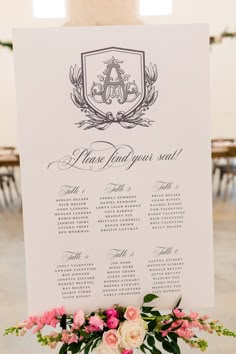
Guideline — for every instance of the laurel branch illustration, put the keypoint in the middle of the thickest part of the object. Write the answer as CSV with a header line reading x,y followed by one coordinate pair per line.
x,y
102,122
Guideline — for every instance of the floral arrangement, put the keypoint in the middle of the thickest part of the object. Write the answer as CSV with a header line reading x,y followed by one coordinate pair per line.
x,y
119,330
6,44
219,39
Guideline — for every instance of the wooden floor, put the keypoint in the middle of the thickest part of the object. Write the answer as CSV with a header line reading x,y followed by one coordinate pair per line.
x,y
13,286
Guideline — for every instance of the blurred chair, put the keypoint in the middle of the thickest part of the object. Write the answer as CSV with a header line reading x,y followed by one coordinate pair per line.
x,y
230,170
9,159
221,163
222,141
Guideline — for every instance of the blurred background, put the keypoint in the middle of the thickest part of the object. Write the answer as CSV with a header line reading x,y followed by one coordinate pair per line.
x,y
220,15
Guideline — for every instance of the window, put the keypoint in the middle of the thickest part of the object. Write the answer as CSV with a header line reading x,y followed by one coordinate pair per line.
x,y
155,7
49,8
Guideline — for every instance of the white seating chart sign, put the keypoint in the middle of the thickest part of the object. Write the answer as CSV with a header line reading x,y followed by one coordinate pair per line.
x,y
115,164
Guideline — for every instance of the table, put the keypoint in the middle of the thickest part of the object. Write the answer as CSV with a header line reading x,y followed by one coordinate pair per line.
x,y
9,160
223,151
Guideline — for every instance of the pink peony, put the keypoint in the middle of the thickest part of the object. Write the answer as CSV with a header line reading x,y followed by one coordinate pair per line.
x,y
112,313
79,318
132,314
96,324
112,322
111,338
127,351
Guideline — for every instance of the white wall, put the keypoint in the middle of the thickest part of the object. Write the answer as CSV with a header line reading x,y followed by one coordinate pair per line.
x,y
219,14
13,14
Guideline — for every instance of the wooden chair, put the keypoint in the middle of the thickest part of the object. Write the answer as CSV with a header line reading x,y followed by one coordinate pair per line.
x,y
230,170
8,160
218,141
222,163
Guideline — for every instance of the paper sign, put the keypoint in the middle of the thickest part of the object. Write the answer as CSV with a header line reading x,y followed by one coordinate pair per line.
x,y
115,163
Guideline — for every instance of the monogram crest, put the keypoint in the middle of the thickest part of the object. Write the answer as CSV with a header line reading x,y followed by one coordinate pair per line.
x,y
114,86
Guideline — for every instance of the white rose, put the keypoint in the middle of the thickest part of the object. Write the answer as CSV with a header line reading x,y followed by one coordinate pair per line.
x,y
132,333
105,349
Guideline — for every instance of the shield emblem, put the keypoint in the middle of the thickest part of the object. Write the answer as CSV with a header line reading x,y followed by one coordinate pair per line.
x,y
113,80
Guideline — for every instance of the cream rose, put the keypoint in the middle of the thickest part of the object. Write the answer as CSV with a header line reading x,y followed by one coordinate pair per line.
x,y
102,348
132,333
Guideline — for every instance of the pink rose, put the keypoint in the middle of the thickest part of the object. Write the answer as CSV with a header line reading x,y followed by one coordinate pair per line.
x,y
132,314
96,323
111,338
112,313
79,318
127,351
112,322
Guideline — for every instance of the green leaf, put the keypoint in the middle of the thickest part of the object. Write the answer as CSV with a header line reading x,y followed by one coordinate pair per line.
x,y
176,347
147,309
171,347
156,351
86,348
149,298
167,346
144,346
84,334
150,341
152,325
159,337
178,302
166,326
155,313
95,343
73,348
173,335
146,317
63,348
